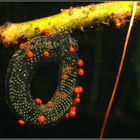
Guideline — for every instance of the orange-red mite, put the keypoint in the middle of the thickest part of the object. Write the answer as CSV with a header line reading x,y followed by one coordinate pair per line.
x,y
72,113
64,76
22,46
21,122
77,100
67,115
41,119
49,103
71,50
73,108
29,54
45,53
81,72
67,68
81,89
38,101
80,62
45,32
76,90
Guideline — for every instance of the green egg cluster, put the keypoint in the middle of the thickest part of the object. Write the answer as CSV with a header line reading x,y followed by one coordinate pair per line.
x,y
21,70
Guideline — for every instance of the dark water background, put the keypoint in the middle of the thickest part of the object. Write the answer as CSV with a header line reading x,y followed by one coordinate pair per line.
x,y
101,49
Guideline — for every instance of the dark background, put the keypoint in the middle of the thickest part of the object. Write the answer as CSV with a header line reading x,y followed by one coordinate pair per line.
x,y
100,48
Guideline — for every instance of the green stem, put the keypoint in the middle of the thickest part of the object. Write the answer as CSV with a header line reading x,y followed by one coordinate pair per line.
x,y
69,19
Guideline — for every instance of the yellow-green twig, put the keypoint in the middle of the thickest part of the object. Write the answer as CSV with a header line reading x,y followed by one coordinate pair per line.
x,y
69,19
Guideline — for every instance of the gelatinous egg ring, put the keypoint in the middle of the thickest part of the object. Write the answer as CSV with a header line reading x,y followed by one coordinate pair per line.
x,y
60,47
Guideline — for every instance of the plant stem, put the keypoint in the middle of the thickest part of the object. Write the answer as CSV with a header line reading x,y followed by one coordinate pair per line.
x,y
69,19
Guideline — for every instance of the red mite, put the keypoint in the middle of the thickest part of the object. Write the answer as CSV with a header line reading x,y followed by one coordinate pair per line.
x,y
49,103
41,119
81,72
77,100
80,62
72,113
67,68
45,53
78,90
81,89
64,76
71,50
29,54
21,122
67,115
45,32
22,46
38,101
73,108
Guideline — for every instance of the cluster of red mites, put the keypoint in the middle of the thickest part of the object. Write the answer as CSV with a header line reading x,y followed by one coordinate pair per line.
x,y
41,118
78,90
29,53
